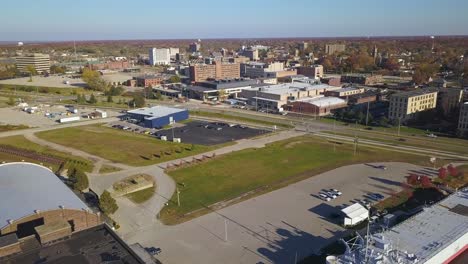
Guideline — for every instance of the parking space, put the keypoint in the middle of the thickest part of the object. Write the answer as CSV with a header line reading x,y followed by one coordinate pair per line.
x,y
210,133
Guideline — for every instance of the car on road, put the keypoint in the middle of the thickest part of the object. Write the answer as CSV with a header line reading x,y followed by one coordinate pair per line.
x,y
153,251
324,197
382,167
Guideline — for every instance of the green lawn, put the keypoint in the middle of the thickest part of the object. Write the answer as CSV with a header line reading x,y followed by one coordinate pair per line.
x,y
141,196
108,169
269,168
12,127
23,143
120,146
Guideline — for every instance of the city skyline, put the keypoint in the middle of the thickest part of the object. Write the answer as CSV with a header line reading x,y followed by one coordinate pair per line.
x,y
117,20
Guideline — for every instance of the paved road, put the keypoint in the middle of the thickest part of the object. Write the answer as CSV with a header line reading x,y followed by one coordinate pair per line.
x,y
273,227
410,149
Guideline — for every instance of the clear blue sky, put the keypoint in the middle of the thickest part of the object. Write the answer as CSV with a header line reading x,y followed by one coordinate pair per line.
x,y
23,20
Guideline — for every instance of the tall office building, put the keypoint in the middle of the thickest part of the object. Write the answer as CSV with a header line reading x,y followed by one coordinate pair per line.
x,y
159,56
303,46
218,70
41,62
463,120
334,48
195,47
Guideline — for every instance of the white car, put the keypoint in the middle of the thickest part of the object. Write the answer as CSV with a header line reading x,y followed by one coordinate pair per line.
x,y
336,192
324,197
331,195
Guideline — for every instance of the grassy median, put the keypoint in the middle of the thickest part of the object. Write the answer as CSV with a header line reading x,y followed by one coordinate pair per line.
x,y
121,146
252,171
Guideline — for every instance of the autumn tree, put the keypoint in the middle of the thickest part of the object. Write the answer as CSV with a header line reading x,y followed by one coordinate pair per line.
x,y
107,203
412,179
31,70
425,181
93,80
452,170
442,173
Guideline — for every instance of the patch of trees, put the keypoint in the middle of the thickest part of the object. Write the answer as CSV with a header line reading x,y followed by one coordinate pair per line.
x,y
107,203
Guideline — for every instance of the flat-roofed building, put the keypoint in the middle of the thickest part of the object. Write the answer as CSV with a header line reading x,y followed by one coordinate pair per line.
x,y
331,49
345,92
217,70
158,116
274,97
463,120
40,62
364,79
438,234
319,106
148,80
449,99
313,71
159,56
406,105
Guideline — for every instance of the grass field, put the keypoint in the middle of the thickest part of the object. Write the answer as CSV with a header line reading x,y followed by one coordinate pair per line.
x,y
23,143
120,146
142,196
239,118
12,127
263,170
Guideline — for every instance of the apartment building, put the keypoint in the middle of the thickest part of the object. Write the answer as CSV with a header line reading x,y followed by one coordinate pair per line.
x,y
463,120
313,71
406,105
345,92
195,47
159,56
41,62
217,70
334,48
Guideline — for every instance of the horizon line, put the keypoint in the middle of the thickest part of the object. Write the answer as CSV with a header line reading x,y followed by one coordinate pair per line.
x,y
236,38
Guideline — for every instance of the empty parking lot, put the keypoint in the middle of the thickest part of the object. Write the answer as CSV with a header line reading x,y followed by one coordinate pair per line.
x,y
210,133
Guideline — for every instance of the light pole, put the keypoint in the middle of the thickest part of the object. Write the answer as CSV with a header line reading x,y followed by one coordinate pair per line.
x,y
178,197
367,114
399,125
225,230
356,141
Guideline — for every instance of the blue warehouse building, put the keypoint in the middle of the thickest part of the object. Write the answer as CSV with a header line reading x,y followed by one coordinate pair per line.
x,y
158,116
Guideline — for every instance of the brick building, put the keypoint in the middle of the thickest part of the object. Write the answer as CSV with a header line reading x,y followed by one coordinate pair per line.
x,y
111,65
217,70
35,204
148,81
313,71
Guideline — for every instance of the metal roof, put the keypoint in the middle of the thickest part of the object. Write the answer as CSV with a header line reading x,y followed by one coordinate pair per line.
x,y
25,187
156,111
286,88
419,238
355,210
323,101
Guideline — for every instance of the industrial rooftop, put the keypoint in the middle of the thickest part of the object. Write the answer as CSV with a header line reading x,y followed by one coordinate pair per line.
x,y
26,187
420,237
289,87
155,111
322,101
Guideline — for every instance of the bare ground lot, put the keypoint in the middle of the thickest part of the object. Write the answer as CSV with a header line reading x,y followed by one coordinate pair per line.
x,y
51,81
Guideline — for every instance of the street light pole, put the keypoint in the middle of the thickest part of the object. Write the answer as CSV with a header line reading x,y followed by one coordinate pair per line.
x,y
178,197
367,114
399,125
225,231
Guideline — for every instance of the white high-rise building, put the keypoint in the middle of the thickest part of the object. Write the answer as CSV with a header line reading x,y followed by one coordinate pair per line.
x,y
159,56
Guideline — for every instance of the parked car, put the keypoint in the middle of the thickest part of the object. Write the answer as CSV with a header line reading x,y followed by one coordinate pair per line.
x,y
335,191
324,197
382,167
377,196
331,195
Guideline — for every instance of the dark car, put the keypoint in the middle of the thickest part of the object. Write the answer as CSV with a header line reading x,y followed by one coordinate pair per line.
x,y
153,251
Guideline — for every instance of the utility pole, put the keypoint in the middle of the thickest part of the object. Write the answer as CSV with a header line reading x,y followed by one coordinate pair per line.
x,y
334,134
356,141
399,125
178,197
225,230
367,114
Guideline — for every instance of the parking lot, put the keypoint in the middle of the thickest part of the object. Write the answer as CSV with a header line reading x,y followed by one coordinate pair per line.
x,y
274,227
211,133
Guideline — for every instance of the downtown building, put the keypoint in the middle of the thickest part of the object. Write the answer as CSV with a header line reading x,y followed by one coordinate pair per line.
x,y
218,70
40,62
463,120
406,105
159,56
